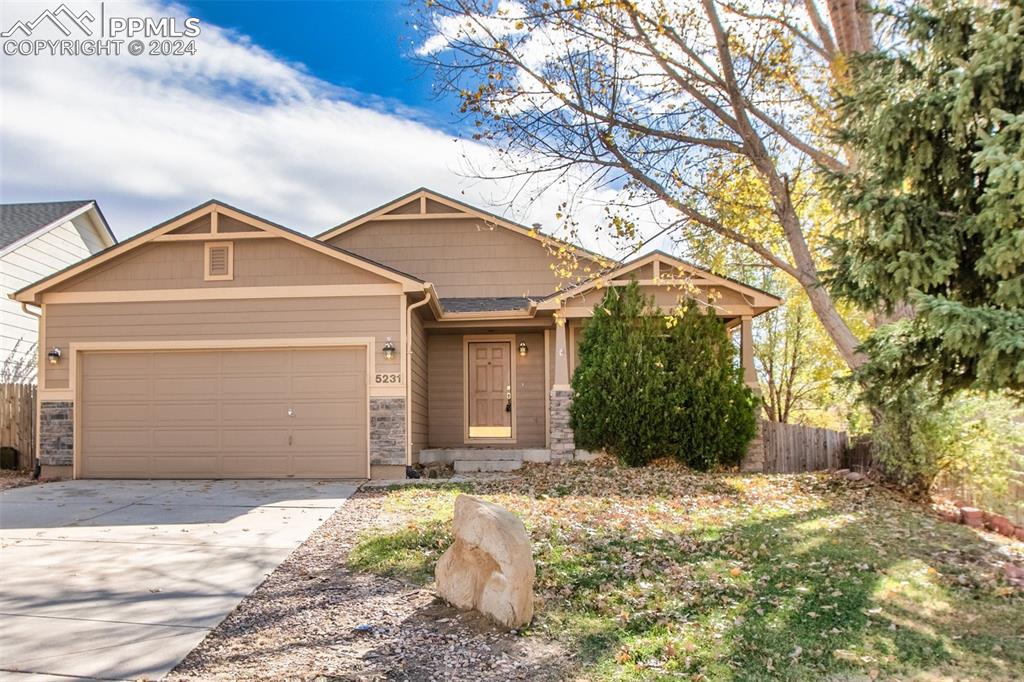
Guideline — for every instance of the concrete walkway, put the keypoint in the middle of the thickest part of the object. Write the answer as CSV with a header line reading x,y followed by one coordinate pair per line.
x,y
121,579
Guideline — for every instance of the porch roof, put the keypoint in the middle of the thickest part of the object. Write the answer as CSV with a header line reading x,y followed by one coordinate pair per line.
x,y
485,304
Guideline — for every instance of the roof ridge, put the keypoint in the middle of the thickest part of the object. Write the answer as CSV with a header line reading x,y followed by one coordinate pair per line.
x,y
47,203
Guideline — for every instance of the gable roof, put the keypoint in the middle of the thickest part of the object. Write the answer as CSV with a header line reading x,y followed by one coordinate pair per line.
x,y
29,293
759,299
460,209
21,221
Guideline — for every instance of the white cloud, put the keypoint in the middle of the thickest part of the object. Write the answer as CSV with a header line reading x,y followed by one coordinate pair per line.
x,y
504,22
151,136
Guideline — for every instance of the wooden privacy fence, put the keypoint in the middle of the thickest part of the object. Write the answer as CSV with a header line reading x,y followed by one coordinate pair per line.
x,y
790,448
858,455
18,420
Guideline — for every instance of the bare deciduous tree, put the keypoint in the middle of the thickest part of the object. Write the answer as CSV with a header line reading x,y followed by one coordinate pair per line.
x,y
660,101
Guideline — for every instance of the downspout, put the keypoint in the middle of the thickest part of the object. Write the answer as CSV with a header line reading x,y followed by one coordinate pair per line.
x,y
408,372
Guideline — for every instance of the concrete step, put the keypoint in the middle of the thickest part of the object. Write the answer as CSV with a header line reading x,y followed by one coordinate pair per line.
x,y
450,455
468,466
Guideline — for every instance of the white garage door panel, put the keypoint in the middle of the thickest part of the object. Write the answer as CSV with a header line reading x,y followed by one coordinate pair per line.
x,y
223,413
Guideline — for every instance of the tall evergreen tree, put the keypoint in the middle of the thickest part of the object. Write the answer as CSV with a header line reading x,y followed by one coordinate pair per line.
x,y
937,198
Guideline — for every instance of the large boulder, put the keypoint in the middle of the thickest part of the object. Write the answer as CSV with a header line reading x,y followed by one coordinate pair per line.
x,y
490,565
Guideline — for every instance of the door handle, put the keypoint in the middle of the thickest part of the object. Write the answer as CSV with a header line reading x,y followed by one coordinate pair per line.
x,y
508,398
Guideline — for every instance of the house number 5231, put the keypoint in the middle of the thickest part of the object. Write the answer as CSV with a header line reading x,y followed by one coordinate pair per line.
x,y
393,378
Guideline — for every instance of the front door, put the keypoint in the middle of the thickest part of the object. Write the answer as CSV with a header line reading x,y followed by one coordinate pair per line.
x,y
490,389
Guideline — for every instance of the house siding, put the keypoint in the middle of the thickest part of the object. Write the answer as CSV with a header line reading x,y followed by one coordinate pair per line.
x,y
54,250
445,389
464,257
285,318
418,388
257,262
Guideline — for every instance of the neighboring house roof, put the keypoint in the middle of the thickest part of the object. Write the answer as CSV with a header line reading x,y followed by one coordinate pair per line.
x,y
460,207
21,222
29,293
485,304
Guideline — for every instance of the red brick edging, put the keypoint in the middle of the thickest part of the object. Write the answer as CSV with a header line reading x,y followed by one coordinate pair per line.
x,y
977,518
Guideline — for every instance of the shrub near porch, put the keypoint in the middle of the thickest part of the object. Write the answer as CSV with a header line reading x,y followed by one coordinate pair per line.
x,y
653,384
655,572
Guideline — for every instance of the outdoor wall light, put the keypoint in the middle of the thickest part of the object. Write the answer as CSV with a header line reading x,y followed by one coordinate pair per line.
x,y
523,349
54,355
389,349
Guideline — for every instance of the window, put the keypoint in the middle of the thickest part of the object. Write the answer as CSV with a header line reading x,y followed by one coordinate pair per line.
x,y
219,262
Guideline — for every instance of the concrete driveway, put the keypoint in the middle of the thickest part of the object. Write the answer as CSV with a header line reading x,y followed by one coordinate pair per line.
x,y
121,579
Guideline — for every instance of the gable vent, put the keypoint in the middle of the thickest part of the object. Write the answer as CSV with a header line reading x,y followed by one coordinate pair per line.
x,y
218,261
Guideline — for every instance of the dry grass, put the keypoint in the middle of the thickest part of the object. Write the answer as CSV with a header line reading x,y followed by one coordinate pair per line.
x,y
660,573
15,479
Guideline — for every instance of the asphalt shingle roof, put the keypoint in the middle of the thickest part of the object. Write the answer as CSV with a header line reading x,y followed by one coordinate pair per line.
x,y
20,220
487,304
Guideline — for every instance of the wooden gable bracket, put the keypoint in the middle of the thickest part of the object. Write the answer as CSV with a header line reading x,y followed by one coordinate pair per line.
x,y
214,212
680,273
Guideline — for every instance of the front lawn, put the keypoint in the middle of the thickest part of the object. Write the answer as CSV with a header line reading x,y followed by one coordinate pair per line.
x,y
659,572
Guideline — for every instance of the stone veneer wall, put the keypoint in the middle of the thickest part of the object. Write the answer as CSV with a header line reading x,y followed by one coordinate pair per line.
x,y
754,460
387,431
56,432
561,438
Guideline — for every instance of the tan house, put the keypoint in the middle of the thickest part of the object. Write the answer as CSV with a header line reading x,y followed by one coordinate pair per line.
x,y
218,344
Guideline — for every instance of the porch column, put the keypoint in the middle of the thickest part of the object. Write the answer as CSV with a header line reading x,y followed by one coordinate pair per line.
x,y
560,436
561,355
747,352
754,459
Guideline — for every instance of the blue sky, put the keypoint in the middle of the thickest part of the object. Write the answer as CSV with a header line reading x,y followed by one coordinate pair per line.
x,y
364,46
305,113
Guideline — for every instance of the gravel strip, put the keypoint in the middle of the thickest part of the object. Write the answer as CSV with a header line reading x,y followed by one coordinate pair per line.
x,y
314,619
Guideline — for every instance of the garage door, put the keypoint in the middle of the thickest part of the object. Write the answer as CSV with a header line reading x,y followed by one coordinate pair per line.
x,y
226,413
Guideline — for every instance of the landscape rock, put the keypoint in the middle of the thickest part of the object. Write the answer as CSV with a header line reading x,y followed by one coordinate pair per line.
x,y
489,566
951,515
433,470
972,516
1000,524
